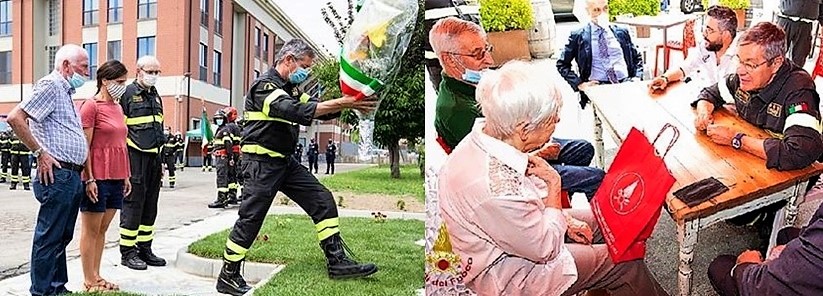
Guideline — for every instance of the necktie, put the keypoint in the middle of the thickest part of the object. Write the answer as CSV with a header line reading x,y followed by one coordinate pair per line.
x,y
604,54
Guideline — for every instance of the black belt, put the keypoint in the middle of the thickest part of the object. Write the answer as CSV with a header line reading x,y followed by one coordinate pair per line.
x,y
70,166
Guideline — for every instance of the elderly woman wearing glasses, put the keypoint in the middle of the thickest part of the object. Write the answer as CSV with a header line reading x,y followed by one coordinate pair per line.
x,y
501,204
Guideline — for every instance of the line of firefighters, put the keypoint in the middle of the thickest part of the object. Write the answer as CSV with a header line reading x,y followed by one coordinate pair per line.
x,y
14,156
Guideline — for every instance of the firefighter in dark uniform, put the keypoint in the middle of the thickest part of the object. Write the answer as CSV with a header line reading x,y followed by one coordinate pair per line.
x,y
226,151
5,155
207,161
772,93
170,157
143,108
181,145
274,109
298,153
313,152
436,10
331,154
20,163
796,17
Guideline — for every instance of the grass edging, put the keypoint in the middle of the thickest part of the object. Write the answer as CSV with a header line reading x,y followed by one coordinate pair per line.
x,y
253,272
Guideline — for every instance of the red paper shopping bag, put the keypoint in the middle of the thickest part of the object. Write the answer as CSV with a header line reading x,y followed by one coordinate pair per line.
x,y
627,205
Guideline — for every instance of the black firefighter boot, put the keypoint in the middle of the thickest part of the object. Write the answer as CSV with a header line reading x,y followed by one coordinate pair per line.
x,y
148,256
230,280
232,196
221,202
339,264
26,186
130,258
13,186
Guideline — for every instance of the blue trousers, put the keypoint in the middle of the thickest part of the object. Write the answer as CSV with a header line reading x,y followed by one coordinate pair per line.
x,y
573,166
59,204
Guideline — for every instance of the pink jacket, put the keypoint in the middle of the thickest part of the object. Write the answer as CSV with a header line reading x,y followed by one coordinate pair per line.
x,y
509,243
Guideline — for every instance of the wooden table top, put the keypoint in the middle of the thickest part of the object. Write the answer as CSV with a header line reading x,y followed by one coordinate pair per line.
x,y
694,157
657,21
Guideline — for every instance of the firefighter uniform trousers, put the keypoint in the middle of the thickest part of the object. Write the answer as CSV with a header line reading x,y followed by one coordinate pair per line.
x,y
226,181
21,163
238,173
140,207
266,176
169,159
207,163
5,162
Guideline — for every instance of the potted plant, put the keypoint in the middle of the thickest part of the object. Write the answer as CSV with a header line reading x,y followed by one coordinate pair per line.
x,y
739,7
635,8
506,22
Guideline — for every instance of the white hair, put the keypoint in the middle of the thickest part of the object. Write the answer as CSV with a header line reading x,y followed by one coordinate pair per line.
x,y
147,60
68,52
445,35
519,92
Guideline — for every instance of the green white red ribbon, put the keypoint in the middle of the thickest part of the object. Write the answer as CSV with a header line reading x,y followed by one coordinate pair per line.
x,y
355,83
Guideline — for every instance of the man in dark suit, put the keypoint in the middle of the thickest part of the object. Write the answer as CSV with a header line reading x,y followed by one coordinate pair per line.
x,y
604,53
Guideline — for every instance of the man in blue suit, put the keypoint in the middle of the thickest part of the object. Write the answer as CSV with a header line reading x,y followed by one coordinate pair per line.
x,y
604,53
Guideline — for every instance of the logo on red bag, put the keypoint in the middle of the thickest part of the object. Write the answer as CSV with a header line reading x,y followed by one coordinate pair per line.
x,y
627,193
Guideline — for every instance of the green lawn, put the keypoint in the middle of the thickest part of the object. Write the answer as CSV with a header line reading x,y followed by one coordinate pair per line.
x,y
106,294
292,241
378,180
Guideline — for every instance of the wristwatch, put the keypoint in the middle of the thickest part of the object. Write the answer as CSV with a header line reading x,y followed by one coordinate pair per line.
x,y
37,152
737,141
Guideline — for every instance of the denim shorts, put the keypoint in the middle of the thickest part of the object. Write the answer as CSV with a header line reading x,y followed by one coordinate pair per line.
x,y
109,196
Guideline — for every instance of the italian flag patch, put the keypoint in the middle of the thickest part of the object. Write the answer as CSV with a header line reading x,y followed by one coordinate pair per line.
x,y
355,83
798,107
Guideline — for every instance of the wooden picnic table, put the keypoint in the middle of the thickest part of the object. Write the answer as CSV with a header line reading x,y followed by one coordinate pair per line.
x,y
695,157
663,22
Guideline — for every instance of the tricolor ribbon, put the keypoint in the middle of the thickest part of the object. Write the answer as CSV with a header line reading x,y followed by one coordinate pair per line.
x,y
355,83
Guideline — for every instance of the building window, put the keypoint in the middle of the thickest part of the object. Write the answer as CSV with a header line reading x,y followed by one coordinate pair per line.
x,y
115,11
215,66
54,18
145,46
278,43
114,50
52,52
91,48
5,18
204,13
5,67
204,51
265,47
146,9
218,17
90,9
256,42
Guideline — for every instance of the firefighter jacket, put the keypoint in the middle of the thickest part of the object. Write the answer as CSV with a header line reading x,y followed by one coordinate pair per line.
x,y
227,139
787,108
143,108
273,110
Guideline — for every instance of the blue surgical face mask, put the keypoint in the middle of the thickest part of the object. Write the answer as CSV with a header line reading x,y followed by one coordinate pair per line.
x,y
299,75
472,76
77,80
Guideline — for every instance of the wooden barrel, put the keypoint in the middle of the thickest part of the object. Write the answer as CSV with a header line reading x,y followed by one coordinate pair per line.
x,y
542,34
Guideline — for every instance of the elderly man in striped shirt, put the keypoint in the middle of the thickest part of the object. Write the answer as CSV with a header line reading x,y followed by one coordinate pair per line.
x,y
56,137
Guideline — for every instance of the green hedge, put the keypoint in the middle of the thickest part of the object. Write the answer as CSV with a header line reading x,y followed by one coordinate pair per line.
x,y
733,4
634,7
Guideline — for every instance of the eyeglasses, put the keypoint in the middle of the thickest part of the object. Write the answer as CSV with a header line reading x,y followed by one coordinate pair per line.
x,y
151,72
478,54
751,67
709,30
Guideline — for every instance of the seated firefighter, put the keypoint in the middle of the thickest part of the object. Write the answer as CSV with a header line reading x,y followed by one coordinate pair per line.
x,y
504,213
465,55
772,93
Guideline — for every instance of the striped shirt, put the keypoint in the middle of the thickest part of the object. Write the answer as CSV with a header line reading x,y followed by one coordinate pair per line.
x,y
54,122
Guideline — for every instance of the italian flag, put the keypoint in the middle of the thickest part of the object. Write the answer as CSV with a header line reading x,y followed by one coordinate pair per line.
x,y
355,83
798,107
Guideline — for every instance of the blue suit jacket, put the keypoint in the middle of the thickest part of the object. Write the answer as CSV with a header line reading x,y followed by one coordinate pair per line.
x,y
579,48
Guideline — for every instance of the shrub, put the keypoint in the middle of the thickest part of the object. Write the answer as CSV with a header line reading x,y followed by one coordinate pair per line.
x,y
634,7
506,15
733,4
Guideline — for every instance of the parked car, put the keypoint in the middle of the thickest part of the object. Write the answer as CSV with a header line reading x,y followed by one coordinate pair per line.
x,y
689,6
563,9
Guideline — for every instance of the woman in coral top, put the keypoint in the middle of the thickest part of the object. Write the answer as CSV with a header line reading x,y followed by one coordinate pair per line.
x,y
106,174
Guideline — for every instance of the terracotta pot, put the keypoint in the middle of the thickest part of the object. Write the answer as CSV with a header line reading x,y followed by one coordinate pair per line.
x,y
741,19
509,45
644,32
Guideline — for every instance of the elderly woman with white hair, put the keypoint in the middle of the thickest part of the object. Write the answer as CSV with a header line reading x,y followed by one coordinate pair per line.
x,y
503,211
